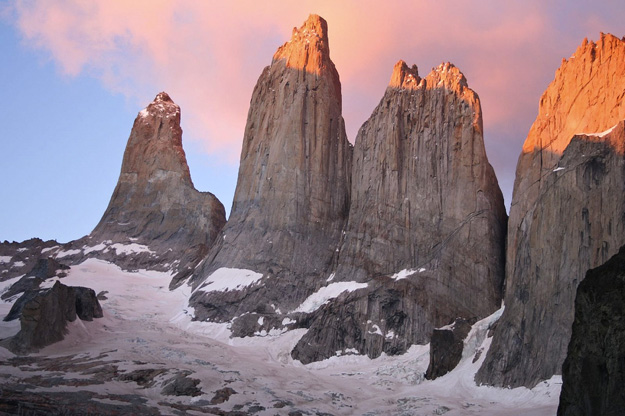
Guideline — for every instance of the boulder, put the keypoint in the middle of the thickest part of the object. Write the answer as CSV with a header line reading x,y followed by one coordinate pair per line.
x,y
446,348
44,315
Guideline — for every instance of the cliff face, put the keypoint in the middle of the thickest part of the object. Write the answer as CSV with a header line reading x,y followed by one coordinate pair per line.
x,y
292,194
426,223
154,203
594,372
566,212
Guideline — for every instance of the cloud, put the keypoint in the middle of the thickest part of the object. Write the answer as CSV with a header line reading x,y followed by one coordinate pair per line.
x,y
208,55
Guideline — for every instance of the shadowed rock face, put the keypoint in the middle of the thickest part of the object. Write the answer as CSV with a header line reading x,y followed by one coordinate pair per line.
x,y
154,202
566,214
425,200
44,315
594,370
446,348
292,194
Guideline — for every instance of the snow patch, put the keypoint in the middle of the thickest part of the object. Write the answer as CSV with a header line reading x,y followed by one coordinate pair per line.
x,y
62,254
224,279
323,295
558,169
602,134
132,248
5,259
19,264
406,272
45,250
99,247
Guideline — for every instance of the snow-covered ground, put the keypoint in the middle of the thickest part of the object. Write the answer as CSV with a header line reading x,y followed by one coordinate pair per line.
x,y
147,326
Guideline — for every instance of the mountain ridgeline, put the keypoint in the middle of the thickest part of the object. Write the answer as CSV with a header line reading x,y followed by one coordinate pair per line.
x,y
390,239
372,247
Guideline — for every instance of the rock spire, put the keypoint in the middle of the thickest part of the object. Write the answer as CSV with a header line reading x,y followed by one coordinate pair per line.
x,y
566,213
426,223
292,194
154,203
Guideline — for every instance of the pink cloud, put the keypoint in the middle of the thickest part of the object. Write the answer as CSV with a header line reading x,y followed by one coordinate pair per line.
x,y
208,55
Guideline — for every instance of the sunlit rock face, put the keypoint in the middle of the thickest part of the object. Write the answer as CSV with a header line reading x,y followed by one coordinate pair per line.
x,y
292,195
424,201
155,206
566,214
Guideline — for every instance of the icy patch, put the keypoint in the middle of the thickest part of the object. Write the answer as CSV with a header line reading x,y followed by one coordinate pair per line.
x,y
62,254
323,295
5,259
99,247
331,278
224,279
375,330
132,248
406,272
602,134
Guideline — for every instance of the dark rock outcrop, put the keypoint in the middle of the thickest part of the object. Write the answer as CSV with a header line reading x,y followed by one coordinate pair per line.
x,y
446,348
17,259
566,215
156,219
426,224
292,194
44,315
43,269
593,373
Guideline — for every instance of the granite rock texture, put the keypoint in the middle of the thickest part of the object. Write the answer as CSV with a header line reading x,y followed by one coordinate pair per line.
x,y
155,203
566,214
426,227
292,195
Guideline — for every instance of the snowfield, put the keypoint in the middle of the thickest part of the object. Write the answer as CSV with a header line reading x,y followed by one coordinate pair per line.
x,y
147,327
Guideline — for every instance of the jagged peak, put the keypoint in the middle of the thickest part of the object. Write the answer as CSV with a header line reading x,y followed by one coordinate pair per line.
x,y
447,75
163,96
161,106
308,48
589,49
404,76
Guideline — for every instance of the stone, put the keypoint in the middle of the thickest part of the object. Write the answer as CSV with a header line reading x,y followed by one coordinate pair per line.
x,y
566,214
87,304
44,315
23,256
292,195
182,385
155,203
42,270
222,395
426,227
593,373
446,346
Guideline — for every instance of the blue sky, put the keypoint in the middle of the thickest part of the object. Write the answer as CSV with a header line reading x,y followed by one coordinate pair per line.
x,y
75,75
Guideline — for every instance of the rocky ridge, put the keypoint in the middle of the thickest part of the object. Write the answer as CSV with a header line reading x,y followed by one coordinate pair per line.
x,y
566,212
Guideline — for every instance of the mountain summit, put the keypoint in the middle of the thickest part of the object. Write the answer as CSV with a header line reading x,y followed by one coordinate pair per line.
x,y
154,203
566,214
292,194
